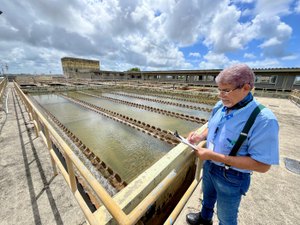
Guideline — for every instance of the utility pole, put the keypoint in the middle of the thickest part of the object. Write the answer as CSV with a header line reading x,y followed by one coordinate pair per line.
x,y
4,68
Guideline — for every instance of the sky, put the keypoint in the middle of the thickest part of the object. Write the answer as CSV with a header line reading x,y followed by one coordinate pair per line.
x,y
149,34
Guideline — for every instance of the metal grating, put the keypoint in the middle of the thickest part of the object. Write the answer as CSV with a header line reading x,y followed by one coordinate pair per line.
x,y
292,165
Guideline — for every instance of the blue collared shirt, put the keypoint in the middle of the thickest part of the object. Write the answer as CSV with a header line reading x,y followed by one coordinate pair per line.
x,y
262,141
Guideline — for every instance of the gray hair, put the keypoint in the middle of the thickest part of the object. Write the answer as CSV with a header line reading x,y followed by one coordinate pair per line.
x,y
237,75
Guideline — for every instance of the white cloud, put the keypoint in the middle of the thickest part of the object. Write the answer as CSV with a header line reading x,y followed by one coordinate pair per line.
x,y
195,54
186,19
224,33
120,30
249,56
274,33
297,7
243,1
270,43
150,34
291,57
266,63
269,27
278,7
214,60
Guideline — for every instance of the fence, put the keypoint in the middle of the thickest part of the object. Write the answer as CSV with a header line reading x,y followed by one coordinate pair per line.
x,y
132,202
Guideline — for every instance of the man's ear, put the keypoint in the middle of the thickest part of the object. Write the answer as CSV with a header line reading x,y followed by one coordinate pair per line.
x,y
247,87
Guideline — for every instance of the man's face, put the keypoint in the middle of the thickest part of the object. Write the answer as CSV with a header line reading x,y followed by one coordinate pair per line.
x,y
231,95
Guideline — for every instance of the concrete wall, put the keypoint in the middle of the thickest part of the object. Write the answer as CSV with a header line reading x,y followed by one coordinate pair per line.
x,y
79,68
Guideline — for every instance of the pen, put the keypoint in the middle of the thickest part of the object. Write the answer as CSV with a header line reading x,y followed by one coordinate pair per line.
x,y
195,133
230,141
192,135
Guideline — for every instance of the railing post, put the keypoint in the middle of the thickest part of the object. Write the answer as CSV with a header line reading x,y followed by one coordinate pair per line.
x,y
199,167
199,164
29,110
36,123
71,173
49,145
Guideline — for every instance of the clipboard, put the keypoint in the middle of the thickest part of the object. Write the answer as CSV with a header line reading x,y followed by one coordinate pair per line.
x,y
183,140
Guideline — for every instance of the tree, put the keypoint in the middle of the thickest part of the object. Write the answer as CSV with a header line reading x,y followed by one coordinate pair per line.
x,y
134,69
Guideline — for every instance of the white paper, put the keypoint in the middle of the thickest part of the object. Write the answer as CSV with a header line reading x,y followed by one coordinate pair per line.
x,y
185,141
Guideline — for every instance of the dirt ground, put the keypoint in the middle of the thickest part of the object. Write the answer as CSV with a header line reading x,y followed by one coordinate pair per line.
x,y
273,197
30,194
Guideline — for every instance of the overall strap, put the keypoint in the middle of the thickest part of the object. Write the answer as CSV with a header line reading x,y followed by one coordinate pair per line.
x,y
244,133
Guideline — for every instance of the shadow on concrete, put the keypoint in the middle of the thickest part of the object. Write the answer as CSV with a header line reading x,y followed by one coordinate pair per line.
x,y
33,197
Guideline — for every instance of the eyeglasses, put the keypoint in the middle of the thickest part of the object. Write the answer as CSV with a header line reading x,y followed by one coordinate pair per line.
x,y
227,92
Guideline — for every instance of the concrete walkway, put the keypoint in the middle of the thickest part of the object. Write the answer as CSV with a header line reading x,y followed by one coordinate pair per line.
x,y
29,193
273,197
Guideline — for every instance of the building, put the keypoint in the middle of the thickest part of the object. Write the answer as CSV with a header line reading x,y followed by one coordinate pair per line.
x,y
282,79
79,68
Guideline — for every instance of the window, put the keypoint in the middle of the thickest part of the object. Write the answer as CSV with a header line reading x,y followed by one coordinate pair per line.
x,y
297,80
266,79
273,79
260,79
210,78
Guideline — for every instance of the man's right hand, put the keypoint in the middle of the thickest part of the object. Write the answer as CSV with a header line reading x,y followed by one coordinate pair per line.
x,y
193,137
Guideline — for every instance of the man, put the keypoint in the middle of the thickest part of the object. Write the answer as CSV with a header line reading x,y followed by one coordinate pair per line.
x,y
226,178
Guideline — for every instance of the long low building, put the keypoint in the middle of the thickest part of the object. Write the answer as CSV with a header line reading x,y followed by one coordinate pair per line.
x,y
273,79
284,79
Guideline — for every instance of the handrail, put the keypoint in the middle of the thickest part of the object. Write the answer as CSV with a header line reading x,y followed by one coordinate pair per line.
x,y
71,158
3,84
174,214
48,133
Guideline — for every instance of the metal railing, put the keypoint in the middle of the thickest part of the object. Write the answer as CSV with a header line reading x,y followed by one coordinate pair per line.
x,y
74,166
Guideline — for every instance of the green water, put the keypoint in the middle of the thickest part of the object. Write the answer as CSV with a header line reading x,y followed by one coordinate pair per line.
x,y
166,98
152,118
126,150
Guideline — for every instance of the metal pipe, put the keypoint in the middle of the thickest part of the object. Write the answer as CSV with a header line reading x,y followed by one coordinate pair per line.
x,y
191,188
87,212
172,217
60,166
141,209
